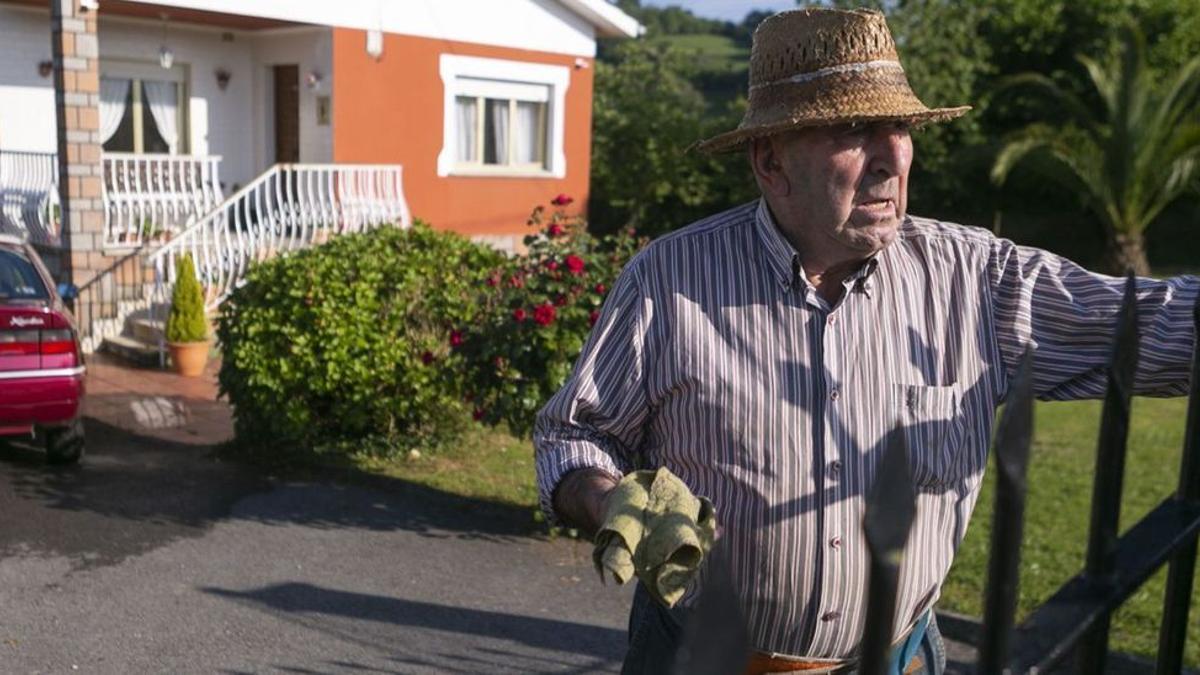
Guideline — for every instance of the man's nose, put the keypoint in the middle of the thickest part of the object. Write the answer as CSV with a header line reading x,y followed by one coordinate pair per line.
x,y
891,151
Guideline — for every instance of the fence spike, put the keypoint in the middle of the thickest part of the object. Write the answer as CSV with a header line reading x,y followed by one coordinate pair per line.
x,y
1012,460
1181,572
1110,470
890,510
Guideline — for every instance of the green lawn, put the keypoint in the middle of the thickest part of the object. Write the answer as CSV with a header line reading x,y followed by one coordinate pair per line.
x,y
493,466
711,52
1060,486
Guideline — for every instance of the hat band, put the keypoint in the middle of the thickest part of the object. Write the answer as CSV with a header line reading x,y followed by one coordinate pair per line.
x,y
832,70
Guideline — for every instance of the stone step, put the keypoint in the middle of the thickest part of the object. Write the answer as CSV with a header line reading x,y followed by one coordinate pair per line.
x,y
132,350
147,330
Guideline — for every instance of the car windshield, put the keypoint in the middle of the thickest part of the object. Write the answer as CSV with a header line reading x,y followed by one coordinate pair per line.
x,y
19,280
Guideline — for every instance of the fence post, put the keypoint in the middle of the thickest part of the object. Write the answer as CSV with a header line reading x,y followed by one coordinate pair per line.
x,y
1173,632
1008,520
890,510
1110,472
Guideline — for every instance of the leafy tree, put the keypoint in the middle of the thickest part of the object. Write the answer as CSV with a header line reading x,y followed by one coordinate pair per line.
x,y
646,115
1128,162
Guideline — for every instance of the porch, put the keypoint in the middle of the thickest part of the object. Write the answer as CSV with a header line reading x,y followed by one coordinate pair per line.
x,y
153,130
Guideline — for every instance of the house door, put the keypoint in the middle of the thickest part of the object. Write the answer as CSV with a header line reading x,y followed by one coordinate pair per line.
x,y
287,113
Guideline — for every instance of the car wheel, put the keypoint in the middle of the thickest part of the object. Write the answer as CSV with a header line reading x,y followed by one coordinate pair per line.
x,y
64,445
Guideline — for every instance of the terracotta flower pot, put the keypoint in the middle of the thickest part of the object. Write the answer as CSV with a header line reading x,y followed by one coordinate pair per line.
x,y
189,358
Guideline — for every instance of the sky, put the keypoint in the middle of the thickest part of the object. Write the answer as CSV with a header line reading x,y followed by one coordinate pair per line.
x,y
728,10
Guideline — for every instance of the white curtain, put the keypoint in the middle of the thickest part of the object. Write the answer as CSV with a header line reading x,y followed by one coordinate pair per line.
x,y
499,111
113,95
529,133
163,97
467,117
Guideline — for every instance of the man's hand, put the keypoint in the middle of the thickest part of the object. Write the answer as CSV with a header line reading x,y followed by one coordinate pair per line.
x,y
580,498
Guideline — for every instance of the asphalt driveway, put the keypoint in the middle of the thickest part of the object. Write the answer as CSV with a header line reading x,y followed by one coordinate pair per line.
x,y
155,556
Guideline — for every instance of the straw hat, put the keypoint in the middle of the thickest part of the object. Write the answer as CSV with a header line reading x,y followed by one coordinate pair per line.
x,y
813,67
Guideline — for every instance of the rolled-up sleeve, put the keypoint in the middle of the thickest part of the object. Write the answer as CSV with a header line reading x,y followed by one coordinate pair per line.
x,y
1069,315
596,419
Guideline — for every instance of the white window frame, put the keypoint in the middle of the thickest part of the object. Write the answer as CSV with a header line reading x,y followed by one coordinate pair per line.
x,y
516,75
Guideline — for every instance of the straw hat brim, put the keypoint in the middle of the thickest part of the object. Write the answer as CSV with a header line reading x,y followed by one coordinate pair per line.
x,y
739,138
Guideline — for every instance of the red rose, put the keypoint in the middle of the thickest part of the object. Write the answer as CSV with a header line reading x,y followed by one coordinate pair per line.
x,y
544,314
498,362
492,281
600,289
575,264
456,338
593,318
478,414
561,200
560,301
554,230
551,265
516,281
519,314
427,358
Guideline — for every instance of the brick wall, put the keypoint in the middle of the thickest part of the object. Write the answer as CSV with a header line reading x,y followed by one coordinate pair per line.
x,y
75,48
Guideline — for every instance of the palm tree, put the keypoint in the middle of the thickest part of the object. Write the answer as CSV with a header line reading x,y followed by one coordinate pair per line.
x,y
1128,162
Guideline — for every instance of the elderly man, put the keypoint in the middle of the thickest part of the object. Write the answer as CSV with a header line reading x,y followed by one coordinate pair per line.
x,y
763,354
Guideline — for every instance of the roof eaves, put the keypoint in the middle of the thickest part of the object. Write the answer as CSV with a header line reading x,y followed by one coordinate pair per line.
x,y
608,19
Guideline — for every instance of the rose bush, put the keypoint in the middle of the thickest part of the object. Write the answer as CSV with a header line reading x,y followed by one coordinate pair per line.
x,y
537,314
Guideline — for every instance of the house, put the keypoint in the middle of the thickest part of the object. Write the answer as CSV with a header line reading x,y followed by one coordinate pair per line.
x,y
132,131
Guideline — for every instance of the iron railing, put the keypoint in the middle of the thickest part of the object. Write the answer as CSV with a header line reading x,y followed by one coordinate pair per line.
x,y
148,198
29,205
1074,622
105,301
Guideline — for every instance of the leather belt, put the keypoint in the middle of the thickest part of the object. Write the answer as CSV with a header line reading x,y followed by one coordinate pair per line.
x,y
769,664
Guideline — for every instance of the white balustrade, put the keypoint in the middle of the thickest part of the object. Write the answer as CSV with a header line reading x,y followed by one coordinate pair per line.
x,y
29,196
289,207
149,197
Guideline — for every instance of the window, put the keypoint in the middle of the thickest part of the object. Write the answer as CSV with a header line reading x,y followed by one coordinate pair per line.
x,y
501,128
502,117
19,279
141,109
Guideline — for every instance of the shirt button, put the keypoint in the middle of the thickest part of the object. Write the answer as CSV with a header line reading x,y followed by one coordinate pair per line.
x,y
834,395
832,320
830,616
836,542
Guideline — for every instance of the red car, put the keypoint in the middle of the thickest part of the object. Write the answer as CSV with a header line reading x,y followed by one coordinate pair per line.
x,y
41,367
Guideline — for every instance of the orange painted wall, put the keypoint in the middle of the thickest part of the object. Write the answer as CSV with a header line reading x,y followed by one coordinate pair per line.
x,y
390,111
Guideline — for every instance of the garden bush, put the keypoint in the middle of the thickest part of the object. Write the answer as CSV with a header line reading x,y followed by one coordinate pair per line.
x,y
537,315
351,346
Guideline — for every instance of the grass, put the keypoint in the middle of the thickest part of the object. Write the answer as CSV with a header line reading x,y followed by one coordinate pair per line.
x,y
1058,509
711,52
496,467
487,464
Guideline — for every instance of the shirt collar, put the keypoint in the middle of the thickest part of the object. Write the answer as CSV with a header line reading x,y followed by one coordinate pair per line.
x,y
785,261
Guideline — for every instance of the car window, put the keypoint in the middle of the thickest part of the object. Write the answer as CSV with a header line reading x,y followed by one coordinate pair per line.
x,y
19,280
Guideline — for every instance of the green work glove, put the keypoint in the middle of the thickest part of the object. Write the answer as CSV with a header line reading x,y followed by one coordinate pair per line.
x,y
657,530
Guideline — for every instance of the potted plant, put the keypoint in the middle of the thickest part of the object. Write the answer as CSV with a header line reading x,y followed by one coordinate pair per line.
x,y
187,327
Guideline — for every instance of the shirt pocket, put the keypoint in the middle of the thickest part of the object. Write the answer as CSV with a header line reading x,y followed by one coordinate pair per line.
x,y
933,423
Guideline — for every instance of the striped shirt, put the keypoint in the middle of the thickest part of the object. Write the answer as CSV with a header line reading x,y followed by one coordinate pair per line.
x,y
715,357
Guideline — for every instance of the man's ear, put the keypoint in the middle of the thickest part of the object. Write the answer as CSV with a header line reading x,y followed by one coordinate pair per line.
x,y
767,167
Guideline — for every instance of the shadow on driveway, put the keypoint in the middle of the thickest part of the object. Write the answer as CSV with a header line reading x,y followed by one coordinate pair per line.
x,y
541,634
136,490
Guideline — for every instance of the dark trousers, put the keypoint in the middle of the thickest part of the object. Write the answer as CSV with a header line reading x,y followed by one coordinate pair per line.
x,y
656,632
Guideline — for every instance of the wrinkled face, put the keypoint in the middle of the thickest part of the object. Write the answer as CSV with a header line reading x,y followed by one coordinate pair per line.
x,y
846,185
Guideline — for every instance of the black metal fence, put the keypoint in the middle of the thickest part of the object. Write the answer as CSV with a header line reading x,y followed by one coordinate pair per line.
x,y
1074,622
